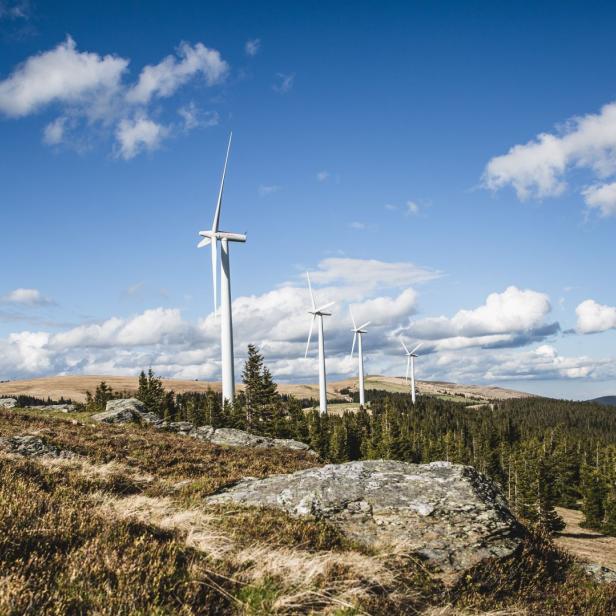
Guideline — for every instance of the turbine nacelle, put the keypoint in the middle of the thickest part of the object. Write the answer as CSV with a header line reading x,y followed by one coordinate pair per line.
x,y
209,236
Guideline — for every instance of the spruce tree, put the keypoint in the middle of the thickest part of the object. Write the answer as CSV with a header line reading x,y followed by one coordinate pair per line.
x,y
594,493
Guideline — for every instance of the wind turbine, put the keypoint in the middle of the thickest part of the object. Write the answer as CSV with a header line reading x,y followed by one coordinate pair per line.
x,y
213,236
319,313
357,334
410,364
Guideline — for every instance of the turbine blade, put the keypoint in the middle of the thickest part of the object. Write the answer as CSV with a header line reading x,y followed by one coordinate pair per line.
x,y
314,307
314,316
352,319
404,345
204,242
353,347
215,274
408,366
222,187
324,306
364,325
416,347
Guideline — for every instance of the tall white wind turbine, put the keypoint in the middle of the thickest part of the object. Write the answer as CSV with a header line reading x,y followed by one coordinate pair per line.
x,y
357,336
410,365
318,314
213,236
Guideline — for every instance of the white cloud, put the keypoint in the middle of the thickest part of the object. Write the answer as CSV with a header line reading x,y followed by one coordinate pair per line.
x,y
322,176
284,83
510,318
369,274
54,131
193,117
601,197
164,78
265,190
538,168
252,47
94,99
138,134
593,317
27,297
60,75
358,226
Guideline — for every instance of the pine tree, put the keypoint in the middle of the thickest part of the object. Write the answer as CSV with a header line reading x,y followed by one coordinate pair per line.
x,y
594,493
546,498
609,524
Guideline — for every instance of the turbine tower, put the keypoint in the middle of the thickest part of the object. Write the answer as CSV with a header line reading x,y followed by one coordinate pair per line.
x,y
213,236
410,364
357,335
319,313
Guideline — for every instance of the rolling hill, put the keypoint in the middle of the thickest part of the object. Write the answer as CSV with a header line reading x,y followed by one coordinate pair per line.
x,y
75,387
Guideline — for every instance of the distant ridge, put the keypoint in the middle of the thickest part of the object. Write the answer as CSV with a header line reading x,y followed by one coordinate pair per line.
x,y
75,387
605,400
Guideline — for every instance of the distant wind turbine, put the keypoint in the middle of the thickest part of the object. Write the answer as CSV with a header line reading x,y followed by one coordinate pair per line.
x,y
357,335
410,364
317,313
213,236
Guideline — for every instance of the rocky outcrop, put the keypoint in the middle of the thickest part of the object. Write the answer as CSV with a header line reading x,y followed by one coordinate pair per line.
x,y
64,408
125,410
130,410
31,446
232,437
450,515
8,403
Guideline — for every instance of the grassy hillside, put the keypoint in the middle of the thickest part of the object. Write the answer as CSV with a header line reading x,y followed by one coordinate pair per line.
x,y
119,528
75,387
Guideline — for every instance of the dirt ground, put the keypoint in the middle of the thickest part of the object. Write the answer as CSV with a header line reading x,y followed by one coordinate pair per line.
x,y
75,387
586,544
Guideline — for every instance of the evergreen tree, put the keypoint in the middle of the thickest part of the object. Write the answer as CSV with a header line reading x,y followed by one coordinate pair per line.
x,y
546,498
594,493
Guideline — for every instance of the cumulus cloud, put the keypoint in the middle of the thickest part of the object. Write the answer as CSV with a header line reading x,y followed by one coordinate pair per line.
x,y
538,168
137,135
593,317
164,78
601,197
26,297
54,131
511,318
91,90
252,47
60,75
278,320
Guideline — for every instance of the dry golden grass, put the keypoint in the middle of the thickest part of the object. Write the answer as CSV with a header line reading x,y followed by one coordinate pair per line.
x,y
584,543
75,387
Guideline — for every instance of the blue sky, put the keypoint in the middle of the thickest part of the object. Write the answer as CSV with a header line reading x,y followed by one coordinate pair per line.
x,y
447,168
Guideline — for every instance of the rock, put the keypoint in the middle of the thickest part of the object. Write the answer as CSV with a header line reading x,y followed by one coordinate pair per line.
x,y
181,427
64,408
32,446
448,514
130,409
238,438
600,574
121,411
8,403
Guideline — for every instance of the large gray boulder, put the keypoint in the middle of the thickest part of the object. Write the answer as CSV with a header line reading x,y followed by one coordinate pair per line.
x,y
125,410
8,403
448,514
